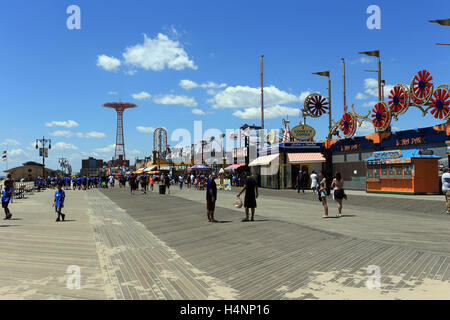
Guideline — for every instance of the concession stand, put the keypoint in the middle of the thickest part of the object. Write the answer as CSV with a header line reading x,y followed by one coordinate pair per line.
x,y
408,171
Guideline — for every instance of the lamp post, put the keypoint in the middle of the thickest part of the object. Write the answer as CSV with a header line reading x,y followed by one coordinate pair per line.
x,y
375,53
222,135
43,142
442,22
203,142
327,74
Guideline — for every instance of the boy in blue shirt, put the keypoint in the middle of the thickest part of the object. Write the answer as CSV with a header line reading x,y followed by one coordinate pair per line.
x,y
58,202
6,197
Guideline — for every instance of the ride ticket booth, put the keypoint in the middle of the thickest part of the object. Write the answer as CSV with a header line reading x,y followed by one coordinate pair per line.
x,y
410,171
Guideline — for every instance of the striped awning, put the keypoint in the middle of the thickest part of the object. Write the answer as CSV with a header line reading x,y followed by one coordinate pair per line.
x,y
235,166
306,157
264,160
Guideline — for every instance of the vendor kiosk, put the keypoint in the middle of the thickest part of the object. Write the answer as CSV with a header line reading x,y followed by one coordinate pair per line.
x,y
410,171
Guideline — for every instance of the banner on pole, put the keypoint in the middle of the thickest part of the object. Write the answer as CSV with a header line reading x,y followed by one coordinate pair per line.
x,y
43,152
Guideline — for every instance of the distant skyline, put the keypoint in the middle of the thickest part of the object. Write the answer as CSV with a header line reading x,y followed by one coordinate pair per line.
x,y
181,62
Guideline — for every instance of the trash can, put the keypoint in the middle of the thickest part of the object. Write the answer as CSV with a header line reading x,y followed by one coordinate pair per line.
x,y
162,189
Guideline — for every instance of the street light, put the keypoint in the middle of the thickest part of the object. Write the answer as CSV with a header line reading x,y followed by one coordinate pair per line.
x,y
43,142
222,135
442,22
375,53
327,74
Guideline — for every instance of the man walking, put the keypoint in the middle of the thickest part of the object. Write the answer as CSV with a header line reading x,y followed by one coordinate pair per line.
x,y
211,196
446,188
300,182
143,181
167,183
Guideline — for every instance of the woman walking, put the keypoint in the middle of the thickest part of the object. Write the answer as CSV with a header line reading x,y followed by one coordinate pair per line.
x,y
338,186
251,193
314,182
323,193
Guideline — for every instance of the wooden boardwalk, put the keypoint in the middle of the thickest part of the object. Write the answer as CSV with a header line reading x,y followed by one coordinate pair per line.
x,y
161,247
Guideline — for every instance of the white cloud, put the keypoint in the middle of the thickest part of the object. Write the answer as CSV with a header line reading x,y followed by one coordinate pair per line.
x,y
67,124
108,63
366,128
113,92
365,60
157,54
141,95
90,154
10,142
371,87
107,149
130,72
62,133
64,146
387,90
198,112
95,135
189,84
269,113
244,96
145,129
68,134
369,104
360,96
16,152
134,152
173,99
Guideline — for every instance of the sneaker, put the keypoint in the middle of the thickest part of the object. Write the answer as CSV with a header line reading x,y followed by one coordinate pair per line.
x,y
57,220
9,216
63,216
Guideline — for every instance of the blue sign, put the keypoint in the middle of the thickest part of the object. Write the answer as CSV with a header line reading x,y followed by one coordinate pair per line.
x,y
378,155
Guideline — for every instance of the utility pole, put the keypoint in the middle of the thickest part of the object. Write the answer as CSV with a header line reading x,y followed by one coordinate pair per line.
x,y
63,163
261,135
43,142
343,79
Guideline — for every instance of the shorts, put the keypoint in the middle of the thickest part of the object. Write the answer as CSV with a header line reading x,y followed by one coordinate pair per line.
x,y
5,204
323,193
210,205
339,194
58,208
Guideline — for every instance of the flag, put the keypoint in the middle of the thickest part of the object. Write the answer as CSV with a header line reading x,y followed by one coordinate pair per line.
x,y
323,73
442,22
4,155
374,53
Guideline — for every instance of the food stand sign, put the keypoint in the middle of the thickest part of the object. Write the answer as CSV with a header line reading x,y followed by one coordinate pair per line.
x,y
381,155
303,132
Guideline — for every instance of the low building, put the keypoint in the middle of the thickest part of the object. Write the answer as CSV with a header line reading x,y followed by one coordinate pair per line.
x,y
278,166
29,171
92,167
348,155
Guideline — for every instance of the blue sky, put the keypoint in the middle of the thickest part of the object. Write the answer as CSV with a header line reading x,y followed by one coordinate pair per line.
x,y
51,75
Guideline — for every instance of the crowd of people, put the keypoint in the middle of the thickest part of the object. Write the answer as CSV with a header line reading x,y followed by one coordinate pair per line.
x,y
199,181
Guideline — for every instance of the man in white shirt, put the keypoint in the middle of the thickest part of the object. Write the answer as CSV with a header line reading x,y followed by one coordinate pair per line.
x,y
446,188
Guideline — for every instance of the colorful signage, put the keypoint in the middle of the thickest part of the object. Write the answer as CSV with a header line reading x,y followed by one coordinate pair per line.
x,y
43,152
379,155
303,132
